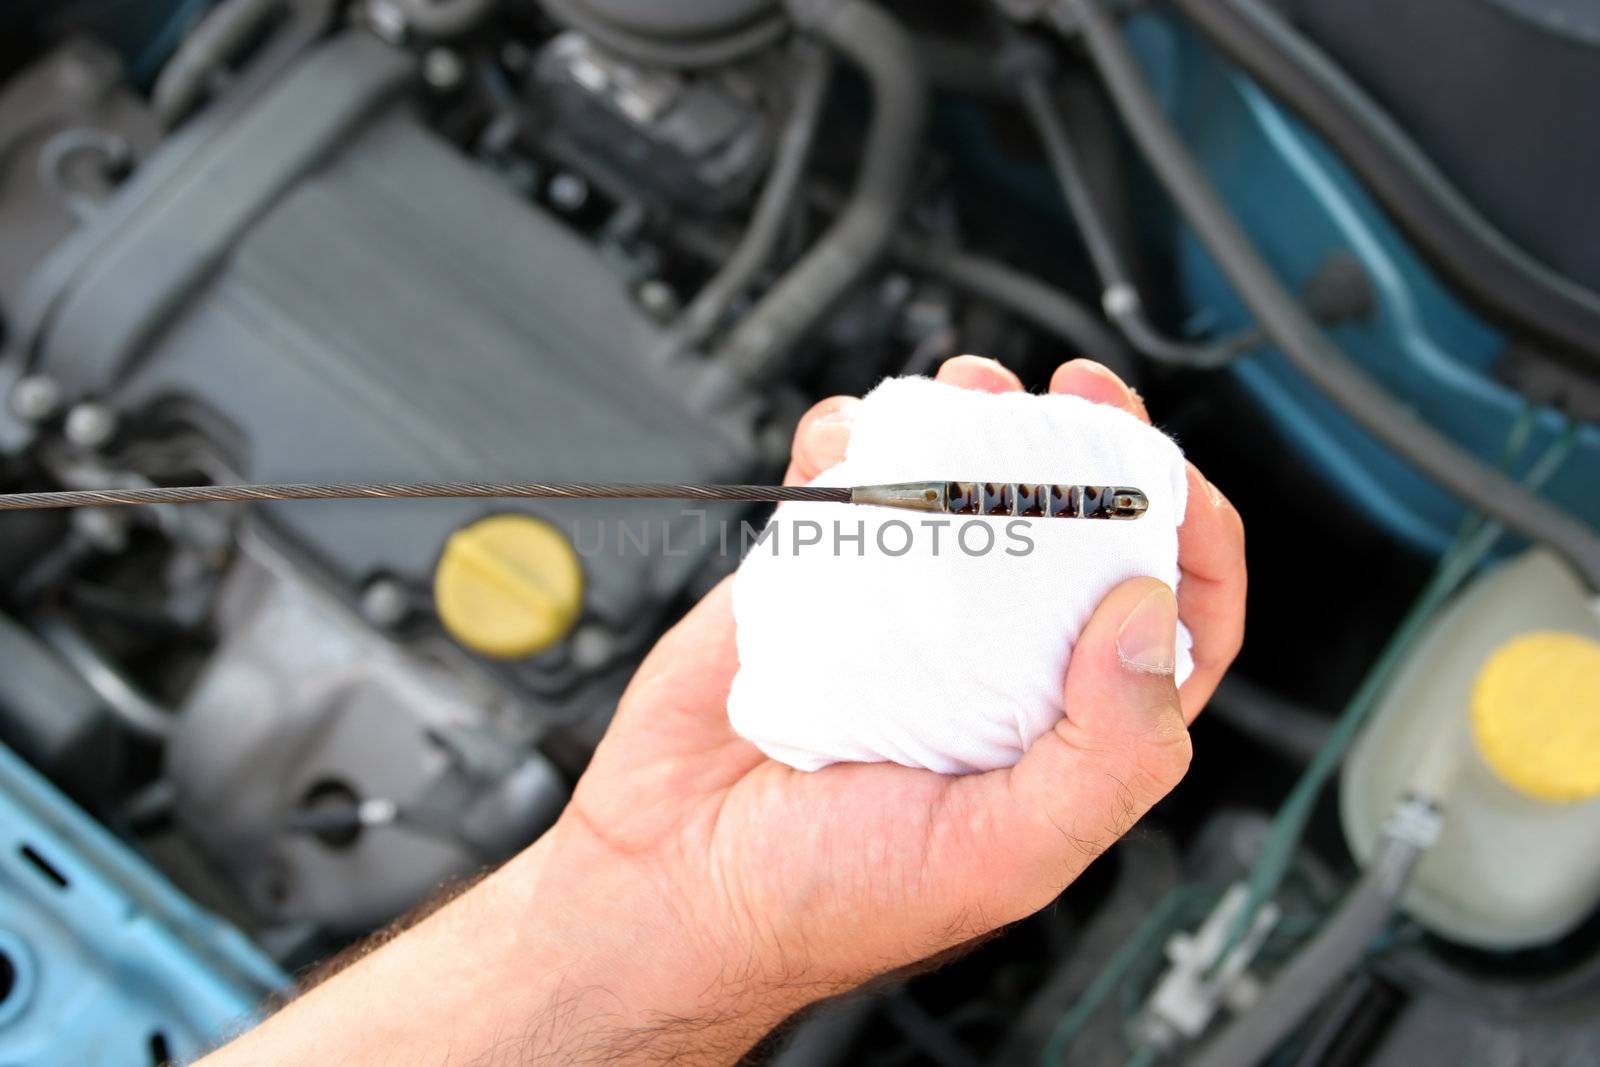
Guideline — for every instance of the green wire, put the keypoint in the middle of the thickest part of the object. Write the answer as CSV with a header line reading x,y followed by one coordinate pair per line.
x,y
1143,1056
1154,925
1475,539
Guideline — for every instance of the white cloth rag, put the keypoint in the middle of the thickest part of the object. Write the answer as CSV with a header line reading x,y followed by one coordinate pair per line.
x,y
870,634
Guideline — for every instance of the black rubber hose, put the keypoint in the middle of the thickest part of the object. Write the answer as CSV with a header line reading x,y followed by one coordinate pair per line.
x,y
1319,966
1289,326
859,237
681,54
1120,299
442,19
1490,271
1028,297
773,208
223,31
1023,295
1348,1029
824,1035
1286,728
927,1033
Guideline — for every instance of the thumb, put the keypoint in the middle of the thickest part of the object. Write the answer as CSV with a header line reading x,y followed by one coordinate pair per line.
x,y
1120,688
1120,746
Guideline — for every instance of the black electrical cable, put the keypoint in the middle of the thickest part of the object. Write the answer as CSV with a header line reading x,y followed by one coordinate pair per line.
x,y
773,208
1021,294
1355,1017
1490,271
870,38
1288,325
927,1034
1120,299
1028,297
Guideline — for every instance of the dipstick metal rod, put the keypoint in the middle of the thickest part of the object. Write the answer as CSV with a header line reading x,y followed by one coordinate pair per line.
x,y
1021,499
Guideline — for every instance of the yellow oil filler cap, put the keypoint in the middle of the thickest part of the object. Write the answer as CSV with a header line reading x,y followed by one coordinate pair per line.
x,y
1536,715
508,586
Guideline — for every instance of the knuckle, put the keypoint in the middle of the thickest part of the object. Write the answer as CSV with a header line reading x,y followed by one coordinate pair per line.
x,y
1235,641
1163,763
1235,522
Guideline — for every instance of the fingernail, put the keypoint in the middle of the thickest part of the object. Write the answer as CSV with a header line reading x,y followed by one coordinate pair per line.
x,y
1147,640
1094,367
828,439
1102,371
970,358
843,415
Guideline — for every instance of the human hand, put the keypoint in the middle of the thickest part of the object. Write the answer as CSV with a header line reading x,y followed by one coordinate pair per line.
x,y
825,879
695,893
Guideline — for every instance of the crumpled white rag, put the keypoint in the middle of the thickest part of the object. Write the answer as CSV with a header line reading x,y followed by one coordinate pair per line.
x,y
918,642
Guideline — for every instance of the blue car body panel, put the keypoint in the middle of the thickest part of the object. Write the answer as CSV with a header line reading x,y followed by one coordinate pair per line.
x,y
1301,205
103,962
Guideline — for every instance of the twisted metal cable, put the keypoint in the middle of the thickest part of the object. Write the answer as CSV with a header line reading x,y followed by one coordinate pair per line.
x,y
226,494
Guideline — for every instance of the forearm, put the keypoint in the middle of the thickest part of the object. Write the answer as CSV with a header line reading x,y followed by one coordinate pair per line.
x,y
564,955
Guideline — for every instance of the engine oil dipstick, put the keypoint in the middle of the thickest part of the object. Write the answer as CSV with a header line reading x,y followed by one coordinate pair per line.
x,y
1019,499
1026,500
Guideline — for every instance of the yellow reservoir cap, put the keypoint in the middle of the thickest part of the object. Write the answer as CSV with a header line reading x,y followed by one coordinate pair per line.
x,y
1536,715
508,586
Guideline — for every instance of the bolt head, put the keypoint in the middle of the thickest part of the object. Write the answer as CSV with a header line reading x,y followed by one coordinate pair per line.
x,y
568,192
387,20
442,69
657,298
35,398
91,424
591,647
385,602
104,528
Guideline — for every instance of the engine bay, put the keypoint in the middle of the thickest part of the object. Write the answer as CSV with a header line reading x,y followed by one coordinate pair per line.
x,y
616,240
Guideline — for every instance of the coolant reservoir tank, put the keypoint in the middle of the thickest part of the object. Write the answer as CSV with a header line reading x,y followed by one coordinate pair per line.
x,y
1496,715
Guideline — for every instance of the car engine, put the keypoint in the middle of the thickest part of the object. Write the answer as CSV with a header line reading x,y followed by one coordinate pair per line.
x,y
631,241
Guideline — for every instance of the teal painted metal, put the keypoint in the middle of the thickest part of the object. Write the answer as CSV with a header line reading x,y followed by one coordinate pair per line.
x,y
1301,205
103,962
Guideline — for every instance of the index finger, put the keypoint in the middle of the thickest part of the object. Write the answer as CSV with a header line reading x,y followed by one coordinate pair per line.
x,y
820,438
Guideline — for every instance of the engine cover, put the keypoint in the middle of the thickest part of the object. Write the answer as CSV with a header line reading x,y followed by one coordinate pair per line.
x,y
346,297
